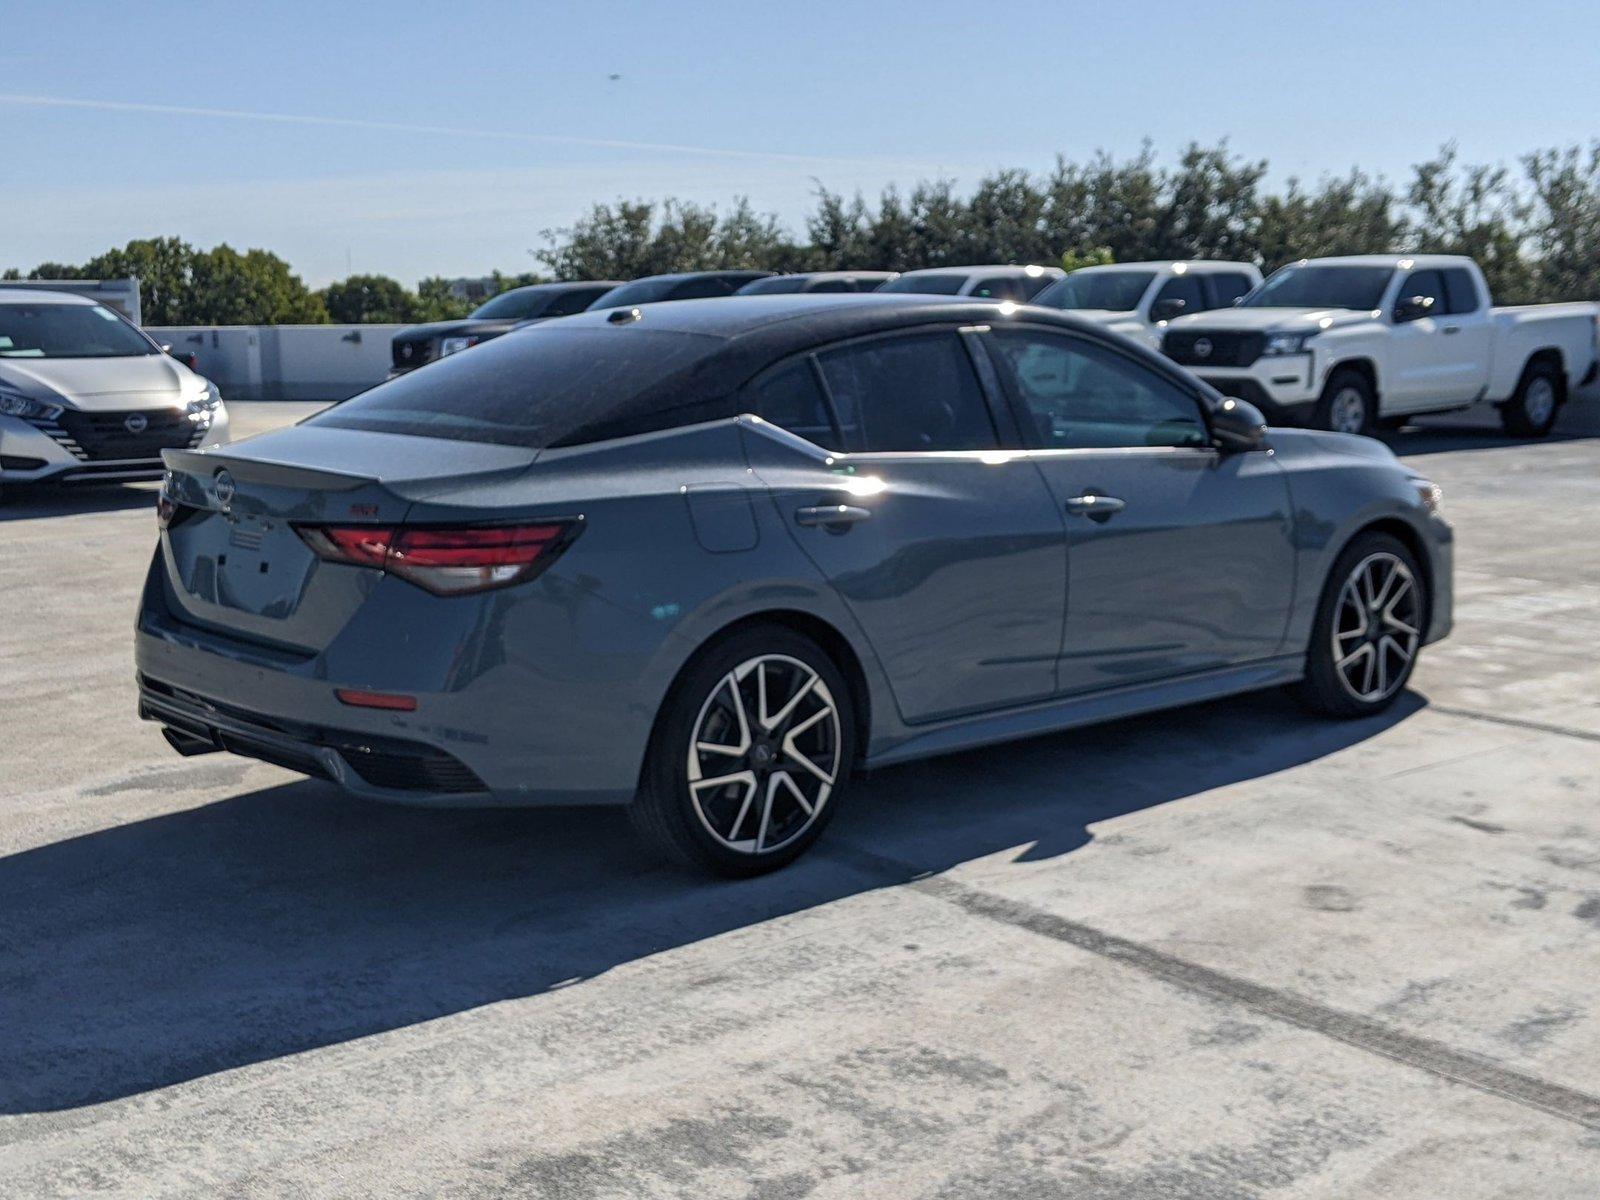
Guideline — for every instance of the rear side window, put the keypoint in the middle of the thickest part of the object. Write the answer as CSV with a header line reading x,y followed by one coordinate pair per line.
x,y
1227,287
1461,290
546,386
791,398
905,394
1079,395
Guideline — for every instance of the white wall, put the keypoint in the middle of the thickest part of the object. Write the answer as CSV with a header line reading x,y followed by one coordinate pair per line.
x,y
285,362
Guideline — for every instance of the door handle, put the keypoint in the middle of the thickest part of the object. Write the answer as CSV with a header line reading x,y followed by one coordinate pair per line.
x,y
1096,508
831,514
1451,329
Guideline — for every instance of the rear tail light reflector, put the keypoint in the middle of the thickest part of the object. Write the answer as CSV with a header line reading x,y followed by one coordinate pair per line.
x,y
392,701
446,560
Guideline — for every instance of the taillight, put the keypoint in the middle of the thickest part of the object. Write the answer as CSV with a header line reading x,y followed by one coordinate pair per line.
x,y
447,561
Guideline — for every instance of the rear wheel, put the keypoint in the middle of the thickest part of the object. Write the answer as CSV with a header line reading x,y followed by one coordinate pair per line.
x,y
1347,404
1368,629
1531,411
750,755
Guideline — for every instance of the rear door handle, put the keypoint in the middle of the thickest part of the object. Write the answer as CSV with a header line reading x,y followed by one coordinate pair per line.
x,y
831,514
1095,507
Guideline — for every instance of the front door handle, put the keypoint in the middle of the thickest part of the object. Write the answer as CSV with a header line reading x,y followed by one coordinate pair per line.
x,y
1095,507
831,514
1451,329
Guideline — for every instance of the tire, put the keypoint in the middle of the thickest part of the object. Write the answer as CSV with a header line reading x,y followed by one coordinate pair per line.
x,y
1347,394
1361,657
787,763
1531,411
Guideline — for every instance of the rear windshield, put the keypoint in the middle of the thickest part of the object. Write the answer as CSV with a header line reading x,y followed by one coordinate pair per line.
x,y
537,387
68,331
774,285
1321,287
640,291
1115,291
515,305
931,285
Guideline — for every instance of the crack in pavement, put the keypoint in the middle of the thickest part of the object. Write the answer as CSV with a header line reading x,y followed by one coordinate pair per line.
x,y
1363,1033
1514,722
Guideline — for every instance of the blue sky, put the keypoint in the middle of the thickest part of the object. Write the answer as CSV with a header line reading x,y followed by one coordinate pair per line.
x,y
426,138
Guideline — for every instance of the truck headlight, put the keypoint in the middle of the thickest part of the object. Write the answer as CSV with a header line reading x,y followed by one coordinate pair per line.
x,y
1279,344
454,345
15,404
204,409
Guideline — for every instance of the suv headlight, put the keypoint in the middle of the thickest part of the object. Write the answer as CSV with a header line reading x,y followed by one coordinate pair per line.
x,y
203,411
15,404
453,345
1279,344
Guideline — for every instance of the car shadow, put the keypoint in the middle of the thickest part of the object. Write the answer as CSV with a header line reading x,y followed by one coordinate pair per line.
x,y
295,917
29,503
1479,429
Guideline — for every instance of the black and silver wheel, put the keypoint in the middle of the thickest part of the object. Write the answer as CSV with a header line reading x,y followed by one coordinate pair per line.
x,y
1531,411
749,755
1369,627
1347,404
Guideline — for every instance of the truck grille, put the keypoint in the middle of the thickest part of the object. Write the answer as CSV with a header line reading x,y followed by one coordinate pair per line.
x,y
1213,349
107,436
411,352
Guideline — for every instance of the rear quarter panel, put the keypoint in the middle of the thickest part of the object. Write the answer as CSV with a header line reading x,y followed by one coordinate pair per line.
x,y
1522,331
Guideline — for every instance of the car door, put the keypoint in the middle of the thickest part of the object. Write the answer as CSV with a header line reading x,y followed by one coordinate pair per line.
x,y
1468,331
1424,368
1179,558
949,552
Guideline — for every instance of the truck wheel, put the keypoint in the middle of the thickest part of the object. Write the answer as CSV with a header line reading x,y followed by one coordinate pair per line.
x,y
1531,411
1347,404
750,755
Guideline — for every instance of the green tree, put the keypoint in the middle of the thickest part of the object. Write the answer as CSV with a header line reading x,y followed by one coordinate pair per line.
x,y
1475,211
253,288
1564,222
1353,214
641,237
368,299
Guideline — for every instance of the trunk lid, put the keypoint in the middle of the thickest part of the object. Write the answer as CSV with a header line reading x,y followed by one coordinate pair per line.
x,y
234,561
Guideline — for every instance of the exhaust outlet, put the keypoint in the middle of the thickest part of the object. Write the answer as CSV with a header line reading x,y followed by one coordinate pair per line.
x,y
187,744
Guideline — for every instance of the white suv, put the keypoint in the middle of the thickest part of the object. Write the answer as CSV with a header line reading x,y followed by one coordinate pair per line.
x,y
1137,299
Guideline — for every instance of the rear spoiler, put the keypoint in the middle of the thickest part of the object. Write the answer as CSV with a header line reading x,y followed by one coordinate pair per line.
x,y
204,464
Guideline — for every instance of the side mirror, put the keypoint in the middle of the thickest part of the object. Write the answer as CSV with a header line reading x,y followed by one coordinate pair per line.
x,y
1165,310
1413,308
166,347
1237,425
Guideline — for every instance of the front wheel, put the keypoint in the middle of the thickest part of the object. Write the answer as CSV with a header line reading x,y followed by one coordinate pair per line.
x,y
1368,629
1347,404
750,755
1531,411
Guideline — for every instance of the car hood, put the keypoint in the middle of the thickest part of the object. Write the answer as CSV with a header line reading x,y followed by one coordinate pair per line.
x,y
466,327
99,384
1304,443
1269,320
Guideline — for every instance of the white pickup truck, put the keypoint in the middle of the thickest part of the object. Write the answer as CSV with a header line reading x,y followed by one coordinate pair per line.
x,y
1137,299
1351,343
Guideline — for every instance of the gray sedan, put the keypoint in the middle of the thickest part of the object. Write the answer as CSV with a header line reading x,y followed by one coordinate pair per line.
x,y
709,559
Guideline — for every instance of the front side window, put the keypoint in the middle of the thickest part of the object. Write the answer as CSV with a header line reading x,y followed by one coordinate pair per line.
x,y
1428,286
904,394
68,331
1110,291
928,285
1080,396
704,287
1178,296
774,285
574,301
517,305
640,291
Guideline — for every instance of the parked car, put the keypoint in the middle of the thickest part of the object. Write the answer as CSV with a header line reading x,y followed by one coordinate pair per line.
x,y
86,395
688,285
1137,299
791,536
1017,284
417,345
1349,343
817,281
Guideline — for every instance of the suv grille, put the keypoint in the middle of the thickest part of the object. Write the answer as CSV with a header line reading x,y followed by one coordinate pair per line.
x,y
106,436
1213,349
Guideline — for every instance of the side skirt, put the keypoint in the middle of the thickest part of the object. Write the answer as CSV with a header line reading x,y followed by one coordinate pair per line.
x,y
967,733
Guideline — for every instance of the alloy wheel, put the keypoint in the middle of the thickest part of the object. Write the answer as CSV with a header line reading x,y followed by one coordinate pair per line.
x,y
764,754
1376,627
1348,413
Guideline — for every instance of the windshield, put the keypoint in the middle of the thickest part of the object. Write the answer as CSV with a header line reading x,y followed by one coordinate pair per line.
x,y
1114,291
930,285
774,285
544,386
1321,287
640,291
68,331
514,305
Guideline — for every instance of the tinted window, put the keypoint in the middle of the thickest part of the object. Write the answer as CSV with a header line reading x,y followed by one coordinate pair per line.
x,y
908,393
1227,287
540,388
705,285
1032,285
1000,287
68,331
791,399
515,305
1186,288
574,301
1322,287
833,285
1428,285
932,285
1081,395
776,285
1114,291
1463,291
640,291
